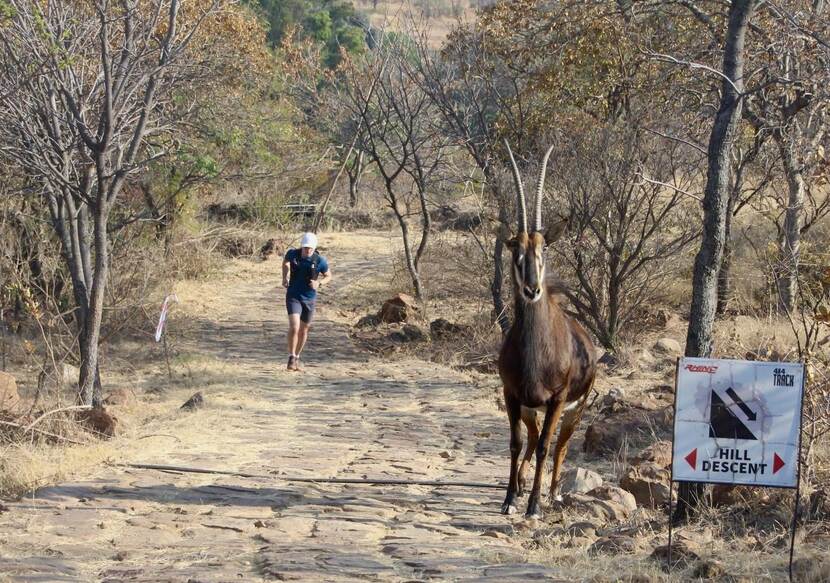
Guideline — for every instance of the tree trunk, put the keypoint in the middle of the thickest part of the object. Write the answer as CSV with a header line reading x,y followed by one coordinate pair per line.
x,y
724,275
355,173
407,249
70,224
426,220
715,202
90,386
790,244
61,224
497,284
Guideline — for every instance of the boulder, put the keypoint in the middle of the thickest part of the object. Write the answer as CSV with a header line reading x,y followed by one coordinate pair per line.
x,y
613,400
579,480
409,333
709,569
623,423
588,505
668,346
729,495
658,453
616,495
233,247
604,503
269,248
603,439
99,421
9,397
368,321
683,552
644,359
414,333
582,529
609,359
441,328
197,401
398,309
649,483
615,545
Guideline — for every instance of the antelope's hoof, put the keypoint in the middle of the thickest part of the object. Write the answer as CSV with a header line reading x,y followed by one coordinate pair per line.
x,y
534,509
509,508
535,515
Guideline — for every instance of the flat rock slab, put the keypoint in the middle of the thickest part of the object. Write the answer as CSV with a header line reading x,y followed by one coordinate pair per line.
x,y
347,415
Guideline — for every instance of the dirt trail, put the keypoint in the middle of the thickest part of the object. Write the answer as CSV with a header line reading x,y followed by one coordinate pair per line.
x,y
348,415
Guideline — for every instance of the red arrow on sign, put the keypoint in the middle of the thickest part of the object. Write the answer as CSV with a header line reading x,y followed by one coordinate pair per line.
x,y
777,463
691,459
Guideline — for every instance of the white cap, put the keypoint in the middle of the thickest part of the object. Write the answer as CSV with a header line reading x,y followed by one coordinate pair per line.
x,y
309,240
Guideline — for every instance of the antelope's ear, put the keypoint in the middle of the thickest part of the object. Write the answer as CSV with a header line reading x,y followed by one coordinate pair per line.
x,y
512,243
555,231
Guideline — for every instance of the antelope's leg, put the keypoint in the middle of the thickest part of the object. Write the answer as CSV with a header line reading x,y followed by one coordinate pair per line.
x,y
554,411
531,421
514,416
570,420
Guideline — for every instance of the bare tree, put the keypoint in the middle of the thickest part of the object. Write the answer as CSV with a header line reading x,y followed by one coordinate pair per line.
x,y
355,169
479,99
715,202
95,115
400,137
751,176
629,211
790,103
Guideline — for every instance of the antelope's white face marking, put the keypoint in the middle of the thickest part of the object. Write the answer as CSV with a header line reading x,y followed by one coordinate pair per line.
x,y
529,266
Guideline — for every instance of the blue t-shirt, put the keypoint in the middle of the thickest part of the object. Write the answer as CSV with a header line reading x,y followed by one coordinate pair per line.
x,y
303,270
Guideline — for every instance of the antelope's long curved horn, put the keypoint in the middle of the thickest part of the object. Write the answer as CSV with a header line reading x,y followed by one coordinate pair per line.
x,y
518,180
540,188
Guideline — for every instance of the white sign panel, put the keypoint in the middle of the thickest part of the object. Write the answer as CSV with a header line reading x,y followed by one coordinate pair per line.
x,y
737,422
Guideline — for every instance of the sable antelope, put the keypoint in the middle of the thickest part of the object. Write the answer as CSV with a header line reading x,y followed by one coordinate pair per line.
x,y
547,362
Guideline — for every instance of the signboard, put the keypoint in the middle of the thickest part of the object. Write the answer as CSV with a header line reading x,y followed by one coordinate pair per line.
x,y
737,422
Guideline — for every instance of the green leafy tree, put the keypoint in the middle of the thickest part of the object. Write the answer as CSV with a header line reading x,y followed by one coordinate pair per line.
x,y
335,24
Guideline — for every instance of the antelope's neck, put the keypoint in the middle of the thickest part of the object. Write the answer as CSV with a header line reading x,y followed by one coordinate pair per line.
x,y
530,317
537,349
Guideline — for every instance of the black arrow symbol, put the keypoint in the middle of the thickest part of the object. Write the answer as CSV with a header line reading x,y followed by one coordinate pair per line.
x,y
749,413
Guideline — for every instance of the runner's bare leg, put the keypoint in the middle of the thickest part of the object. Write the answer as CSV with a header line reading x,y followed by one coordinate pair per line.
x,y
302,335
293,334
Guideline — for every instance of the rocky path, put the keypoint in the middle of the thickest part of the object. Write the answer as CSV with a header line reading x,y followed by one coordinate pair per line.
x,y
349,415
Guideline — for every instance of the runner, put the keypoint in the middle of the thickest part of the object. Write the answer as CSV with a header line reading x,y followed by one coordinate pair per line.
x,y
303,271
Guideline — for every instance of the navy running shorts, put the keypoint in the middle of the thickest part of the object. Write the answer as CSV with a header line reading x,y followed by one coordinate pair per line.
x,y
305,308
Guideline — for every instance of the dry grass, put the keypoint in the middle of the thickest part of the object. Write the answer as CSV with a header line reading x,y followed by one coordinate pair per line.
x,y
33,461
149,426
441,17
148,429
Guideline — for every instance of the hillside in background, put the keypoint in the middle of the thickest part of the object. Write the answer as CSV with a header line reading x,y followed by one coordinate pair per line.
x,y
438,15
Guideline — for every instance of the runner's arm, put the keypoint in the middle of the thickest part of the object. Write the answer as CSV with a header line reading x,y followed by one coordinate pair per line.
x,y
286,272
324,276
